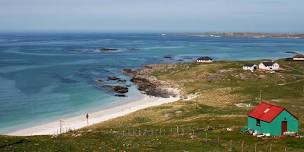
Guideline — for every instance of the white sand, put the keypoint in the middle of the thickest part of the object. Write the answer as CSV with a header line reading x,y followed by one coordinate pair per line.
x,y
97,117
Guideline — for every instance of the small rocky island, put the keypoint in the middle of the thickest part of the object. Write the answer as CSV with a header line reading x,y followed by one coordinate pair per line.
x,y
108,49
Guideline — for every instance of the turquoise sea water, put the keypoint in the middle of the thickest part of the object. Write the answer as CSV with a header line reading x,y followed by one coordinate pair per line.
x,y
49,76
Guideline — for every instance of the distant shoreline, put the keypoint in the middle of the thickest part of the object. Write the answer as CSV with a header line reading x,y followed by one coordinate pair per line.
x,y
248,34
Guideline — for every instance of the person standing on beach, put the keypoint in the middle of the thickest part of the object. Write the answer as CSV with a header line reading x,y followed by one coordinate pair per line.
x,y
87,117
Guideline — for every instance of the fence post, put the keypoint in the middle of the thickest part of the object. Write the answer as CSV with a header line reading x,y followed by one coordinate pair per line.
x,y
230,149
206,137
243,146
218,140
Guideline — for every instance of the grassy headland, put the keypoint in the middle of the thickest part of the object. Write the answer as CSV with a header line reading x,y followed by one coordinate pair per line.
x,y
222,91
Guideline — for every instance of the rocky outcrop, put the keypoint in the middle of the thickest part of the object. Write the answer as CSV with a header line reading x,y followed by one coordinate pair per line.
x,y
149,84
129,72
146,83
152,87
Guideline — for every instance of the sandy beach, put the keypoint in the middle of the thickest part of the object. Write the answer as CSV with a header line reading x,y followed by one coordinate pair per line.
x,y
77,122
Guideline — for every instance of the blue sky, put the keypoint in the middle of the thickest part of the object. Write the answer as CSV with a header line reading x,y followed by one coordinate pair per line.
x,y
152,15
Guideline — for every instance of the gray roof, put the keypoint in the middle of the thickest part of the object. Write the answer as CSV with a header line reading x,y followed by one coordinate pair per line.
x,y
268,63
299,56
204,58
249,65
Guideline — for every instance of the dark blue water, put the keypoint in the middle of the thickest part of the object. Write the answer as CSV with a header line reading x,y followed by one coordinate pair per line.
x,y
48,76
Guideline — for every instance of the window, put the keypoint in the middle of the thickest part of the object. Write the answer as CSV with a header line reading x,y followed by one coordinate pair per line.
x,y
258,122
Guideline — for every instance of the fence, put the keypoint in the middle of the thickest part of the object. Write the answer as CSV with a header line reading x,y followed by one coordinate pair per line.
x,y
203,135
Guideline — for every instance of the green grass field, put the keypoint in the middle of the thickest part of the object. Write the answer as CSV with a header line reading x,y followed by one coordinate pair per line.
x,y
199,124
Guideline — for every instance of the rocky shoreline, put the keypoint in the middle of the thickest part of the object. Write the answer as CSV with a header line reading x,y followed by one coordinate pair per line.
x,y
150,85
144,80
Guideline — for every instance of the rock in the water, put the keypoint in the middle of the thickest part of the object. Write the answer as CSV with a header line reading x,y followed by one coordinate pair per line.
x,y
168,57
108,49
99,81
133,49
113,78
120,95
122,81
120,89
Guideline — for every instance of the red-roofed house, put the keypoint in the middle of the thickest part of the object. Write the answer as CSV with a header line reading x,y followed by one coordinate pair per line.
x,y
275,120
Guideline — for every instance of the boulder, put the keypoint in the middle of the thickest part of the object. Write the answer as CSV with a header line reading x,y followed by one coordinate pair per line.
x,y
120,89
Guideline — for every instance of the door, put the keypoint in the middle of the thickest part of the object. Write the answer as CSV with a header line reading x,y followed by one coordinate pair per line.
x,y
284,127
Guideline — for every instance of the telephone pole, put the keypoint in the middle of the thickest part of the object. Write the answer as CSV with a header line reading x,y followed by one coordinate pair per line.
x,y
260,95
60,125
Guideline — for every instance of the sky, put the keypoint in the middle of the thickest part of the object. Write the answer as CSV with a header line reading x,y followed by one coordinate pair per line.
x,y
278,16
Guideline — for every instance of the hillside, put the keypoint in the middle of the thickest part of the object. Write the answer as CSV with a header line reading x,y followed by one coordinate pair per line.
x,y
211,121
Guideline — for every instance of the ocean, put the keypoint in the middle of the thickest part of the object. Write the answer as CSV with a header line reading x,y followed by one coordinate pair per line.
x,y
47,76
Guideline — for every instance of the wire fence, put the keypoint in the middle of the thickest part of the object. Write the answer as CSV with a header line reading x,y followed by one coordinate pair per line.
x,y
204,135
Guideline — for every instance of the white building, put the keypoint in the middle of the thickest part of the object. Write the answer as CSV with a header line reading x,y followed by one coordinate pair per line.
x,y
204,59
269,65
298,57
250,67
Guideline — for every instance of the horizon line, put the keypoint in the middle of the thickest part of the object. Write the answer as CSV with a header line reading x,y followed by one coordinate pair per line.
x,y
142,32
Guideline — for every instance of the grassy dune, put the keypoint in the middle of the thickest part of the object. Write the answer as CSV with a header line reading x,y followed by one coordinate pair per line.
x,y
199,124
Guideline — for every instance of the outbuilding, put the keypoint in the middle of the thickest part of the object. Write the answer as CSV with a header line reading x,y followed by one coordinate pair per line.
x,y
298,57
204,59
250,67
271,119
269,65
